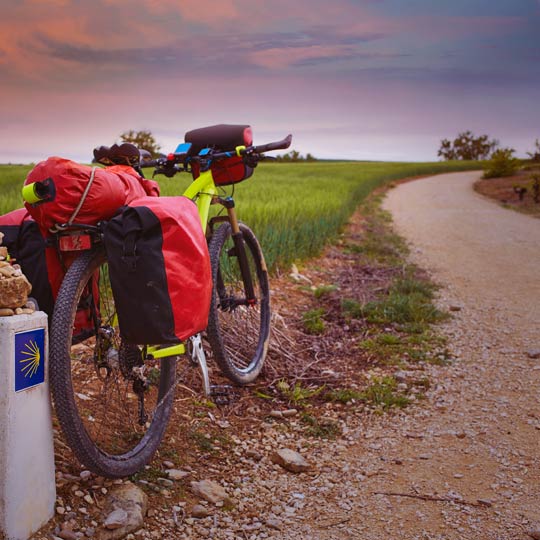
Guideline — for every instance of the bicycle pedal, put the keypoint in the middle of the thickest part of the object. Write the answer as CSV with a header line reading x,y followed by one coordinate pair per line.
x,y
221,393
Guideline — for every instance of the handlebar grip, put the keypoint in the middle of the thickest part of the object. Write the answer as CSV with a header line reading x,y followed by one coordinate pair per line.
x,y
151,163
278,145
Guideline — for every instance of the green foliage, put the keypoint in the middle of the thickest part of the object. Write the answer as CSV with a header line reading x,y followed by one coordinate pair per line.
x,y
313,321
294,156
297,394
324,290
324,428
535,154
142,139
293,209
351,308
502,163
382,392
11,182
343,395
467,146
408,304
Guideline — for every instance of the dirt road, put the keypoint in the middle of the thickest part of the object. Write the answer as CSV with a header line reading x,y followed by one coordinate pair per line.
x,y
464,465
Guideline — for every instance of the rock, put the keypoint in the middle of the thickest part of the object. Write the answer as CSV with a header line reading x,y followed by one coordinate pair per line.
x,y
85,475
401,376
254,455
176,474
168,464
60,510
14,291
89,499
290,460
200,511
131,501
165,482
67,534
534,354
273,524
116,519
455,307
210,491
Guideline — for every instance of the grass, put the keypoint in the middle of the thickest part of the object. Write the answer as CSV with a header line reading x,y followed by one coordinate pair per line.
x,y
313,321
294,209
408,304
381,393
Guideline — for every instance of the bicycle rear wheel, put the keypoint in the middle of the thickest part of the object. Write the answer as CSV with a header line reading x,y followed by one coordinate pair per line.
x,y
112,404
238,331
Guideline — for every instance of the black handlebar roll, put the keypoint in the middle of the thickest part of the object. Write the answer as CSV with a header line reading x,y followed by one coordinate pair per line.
x,y
222,137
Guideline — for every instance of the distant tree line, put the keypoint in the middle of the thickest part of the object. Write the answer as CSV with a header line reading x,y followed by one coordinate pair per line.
x,y
293,156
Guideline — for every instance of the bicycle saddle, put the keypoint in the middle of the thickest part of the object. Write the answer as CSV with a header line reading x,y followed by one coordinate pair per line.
x,y
222,137
123,154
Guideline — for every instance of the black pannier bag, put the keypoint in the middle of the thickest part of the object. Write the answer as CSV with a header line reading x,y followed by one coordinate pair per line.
x,y
159,270
222,137
27,246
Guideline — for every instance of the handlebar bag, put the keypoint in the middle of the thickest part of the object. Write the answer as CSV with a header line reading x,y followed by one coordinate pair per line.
x,y
159,268
83,194
226,171
36,253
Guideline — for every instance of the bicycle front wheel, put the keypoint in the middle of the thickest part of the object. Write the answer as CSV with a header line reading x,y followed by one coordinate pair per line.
x,y
112,403
238,329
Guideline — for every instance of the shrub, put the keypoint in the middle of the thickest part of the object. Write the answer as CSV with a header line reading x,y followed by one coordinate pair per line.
x,y
502,163
467,146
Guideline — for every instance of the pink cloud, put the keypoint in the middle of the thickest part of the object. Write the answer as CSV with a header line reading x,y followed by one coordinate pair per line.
x,y
277,58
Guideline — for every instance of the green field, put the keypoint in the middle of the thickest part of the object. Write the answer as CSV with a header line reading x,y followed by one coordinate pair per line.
x,y
294,208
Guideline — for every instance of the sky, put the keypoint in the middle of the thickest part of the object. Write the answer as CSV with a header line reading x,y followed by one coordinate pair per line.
x,y
354,79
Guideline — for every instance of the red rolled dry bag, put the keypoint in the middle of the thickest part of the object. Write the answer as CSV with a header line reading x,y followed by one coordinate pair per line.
x,y
83,194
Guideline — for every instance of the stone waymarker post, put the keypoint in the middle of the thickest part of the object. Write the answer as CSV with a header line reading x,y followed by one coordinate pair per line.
x,y
27,483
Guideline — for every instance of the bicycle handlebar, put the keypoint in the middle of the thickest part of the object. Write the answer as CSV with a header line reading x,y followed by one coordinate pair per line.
x,y
171,160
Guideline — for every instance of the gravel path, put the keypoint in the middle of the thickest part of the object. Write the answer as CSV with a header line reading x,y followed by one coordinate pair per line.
x,y
475,442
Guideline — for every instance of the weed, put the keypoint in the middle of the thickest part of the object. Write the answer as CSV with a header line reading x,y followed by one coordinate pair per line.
x,y
351,308
149,474
297,394
324,290
313,322
324,428
382,393
202,440
343,395
414,311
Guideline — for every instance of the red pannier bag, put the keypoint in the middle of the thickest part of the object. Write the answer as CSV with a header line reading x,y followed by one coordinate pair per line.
x,y
82,194
35,251
159,268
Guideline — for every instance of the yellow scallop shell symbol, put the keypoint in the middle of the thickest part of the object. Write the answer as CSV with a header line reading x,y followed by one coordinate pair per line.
x,y
32,359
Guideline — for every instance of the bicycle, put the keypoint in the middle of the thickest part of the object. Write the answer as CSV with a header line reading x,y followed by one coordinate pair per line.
x,y
115,421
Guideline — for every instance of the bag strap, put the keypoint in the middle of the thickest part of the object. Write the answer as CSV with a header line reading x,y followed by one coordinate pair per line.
x,y
57,227
135,220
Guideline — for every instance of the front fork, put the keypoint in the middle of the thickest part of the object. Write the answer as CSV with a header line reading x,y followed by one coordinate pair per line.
x,y
240,251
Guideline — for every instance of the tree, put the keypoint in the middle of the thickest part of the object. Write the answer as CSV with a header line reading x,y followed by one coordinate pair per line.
x,y
467,146
535,154
143,140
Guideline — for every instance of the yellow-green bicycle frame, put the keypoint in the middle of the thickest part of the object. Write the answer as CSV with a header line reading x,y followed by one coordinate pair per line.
x,y
203,192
